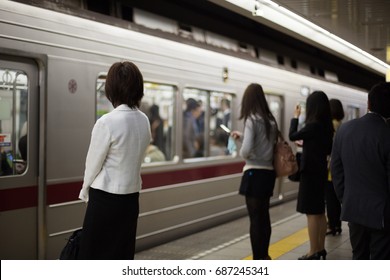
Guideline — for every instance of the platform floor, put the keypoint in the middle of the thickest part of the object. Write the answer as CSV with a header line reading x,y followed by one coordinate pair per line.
x,y
230,241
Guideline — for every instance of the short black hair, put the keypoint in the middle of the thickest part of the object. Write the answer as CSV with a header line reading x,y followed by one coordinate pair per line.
x,y
379,99
124,84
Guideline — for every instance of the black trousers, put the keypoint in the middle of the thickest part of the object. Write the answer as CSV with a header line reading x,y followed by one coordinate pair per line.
x,y
368,243
260,225
110,226
333,207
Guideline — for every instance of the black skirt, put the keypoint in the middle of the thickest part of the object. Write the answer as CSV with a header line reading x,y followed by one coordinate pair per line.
x,y
258,183
110,226
311,195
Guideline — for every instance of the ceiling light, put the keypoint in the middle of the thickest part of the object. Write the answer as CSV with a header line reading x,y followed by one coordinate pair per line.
x,y
272,12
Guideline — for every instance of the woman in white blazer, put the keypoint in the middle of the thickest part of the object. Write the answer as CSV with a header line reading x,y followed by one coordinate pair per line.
x,y
112,179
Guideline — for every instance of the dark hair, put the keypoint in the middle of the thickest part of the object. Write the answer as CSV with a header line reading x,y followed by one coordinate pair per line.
x,y
154,111
336,109
226,102
379,99
254,103
192,104
318,109
124,84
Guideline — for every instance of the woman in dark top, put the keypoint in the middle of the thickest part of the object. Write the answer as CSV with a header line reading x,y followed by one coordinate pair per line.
x,y
157,127
333,205
317,144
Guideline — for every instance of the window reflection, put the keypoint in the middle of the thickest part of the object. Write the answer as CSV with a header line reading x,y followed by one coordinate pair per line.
x,y
194,110
207,120
352,113
206,123
158,105
220,123
13,122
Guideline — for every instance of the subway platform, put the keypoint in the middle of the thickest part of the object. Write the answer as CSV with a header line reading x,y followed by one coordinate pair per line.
x,y
230,241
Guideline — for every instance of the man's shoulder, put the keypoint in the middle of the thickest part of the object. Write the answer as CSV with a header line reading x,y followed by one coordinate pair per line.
x,y
352,123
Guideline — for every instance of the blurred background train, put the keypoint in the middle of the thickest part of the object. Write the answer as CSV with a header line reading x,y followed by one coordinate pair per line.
x,y
52,75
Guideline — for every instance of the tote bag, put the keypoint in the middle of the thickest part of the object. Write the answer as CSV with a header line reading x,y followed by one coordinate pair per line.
x,y
285,163
71,249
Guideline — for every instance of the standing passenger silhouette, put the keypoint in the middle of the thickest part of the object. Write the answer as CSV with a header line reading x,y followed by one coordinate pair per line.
x,y
361,176
258,180
112,179
317,144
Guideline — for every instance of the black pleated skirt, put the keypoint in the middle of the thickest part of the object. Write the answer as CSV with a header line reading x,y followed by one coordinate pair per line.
x,y
110,226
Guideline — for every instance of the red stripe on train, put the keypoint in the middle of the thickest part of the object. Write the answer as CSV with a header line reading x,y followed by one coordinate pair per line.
x,y
24,197
186,175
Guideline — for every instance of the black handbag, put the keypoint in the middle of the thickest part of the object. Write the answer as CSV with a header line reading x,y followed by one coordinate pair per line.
x,y
71,249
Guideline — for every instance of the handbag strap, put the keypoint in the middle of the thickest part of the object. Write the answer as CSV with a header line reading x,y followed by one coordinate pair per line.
x,y
280,137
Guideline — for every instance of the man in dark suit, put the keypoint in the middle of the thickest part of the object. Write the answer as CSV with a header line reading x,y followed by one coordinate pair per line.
x,y
360,168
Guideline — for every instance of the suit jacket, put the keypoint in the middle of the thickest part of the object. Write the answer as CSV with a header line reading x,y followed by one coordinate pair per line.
x,y
360,168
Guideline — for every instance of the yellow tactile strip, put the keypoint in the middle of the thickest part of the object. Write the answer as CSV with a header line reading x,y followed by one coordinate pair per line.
x,y
286,244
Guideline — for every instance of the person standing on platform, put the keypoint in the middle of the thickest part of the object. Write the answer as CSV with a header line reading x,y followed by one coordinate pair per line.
x,y
360,168
112,178
333,206
317,135
258,180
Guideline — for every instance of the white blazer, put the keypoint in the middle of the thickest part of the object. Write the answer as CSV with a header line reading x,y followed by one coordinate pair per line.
x,y
117,149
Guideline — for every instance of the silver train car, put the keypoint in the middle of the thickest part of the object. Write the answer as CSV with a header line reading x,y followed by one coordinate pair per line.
x,y
52,75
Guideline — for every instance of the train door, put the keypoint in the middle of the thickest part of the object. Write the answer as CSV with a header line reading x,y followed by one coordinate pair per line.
x,y
353,112
19,159
276,105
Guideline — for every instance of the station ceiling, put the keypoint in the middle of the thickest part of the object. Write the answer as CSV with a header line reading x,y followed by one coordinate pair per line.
x,y
364,23
360,22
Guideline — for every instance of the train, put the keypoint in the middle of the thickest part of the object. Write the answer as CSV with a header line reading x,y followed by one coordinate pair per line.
x,y
52,74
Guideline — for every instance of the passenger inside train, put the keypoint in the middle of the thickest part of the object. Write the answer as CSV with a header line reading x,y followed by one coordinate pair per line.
x,y
13,123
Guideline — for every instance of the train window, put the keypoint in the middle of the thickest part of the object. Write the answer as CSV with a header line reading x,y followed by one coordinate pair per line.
x,y
103,105
127,12
13,122
302,116
275,104
294,64
194,121
280,59
220,123
158,105
353,112
206,123
102,7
